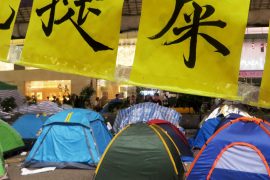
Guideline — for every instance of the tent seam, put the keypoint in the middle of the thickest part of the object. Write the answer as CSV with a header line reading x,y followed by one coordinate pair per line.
x,y
239,144
156,126
108,147
167,148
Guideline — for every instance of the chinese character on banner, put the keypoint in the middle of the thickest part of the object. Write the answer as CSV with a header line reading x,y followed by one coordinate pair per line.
x,y
8,11
193,46
193,31
74,36
264,97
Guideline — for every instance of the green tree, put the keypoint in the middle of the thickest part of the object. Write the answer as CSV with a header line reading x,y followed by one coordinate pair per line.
x,y
8,104
86,93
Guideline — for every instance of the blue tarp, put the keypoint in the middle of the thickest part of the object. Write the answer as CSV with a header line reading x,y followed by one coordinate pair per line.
x,y
209,127
28,125
115,103
145,112
74,138
206,131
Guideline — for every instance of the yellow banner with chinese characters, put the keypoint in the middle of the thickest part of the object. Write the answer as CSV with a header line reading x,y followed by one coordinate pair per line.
x,y
264,97
191,46
8,12
75,36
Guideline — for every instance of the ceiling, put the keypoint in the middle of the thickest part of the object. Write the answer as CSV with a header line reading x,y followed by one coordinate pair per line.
x,y
132,7
259,4
259,14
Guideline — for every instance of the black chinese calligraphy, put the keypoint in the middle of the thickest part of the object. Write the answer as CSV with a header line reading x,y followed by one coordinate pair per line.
x,y
192,31
81,18
6,25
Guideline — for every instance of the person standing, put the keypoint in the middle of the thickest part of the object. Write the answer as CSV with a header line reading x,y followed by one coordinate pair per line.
x,y
166,101
97,104
132,100
156,99
117,98
148,98
103,100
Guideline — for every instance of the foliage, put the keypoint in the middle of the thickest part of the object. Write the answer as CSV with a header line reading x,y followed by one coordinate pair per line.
x,y
8,104
87,92
84,99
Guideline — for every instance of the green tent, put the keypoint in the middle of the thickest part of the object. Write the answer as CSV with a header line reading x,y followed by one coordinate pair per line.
x,y
9,138
5,86
140,152
2,163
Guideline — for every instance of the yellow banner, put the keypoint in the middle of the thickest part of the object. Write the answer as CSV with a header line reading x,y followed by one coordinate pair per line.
x,y
264,97
191,46
75,36
8,11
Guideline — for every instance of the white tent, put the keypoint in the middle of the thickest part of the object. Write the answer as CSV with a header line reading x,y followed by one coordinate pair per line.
x,y
47,107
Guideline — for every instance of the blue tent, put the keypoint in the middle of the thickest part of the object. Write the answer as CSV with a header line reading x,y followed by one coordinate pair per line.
x,y
209,127
28,125
74,138
238,150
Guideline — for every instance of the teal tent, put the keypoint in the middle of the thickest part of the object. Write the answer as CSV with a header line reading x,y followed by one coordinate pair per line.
x,y
74,138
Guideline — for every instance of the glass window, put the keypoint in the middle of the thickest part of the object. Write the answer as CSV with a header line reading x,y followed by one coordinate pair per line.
x,y
47,89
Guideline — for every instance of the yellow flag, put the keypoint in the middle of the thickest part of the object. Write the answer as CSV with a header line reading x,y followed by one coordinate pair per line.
x,y
8,11
264,97
75,36
191,46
